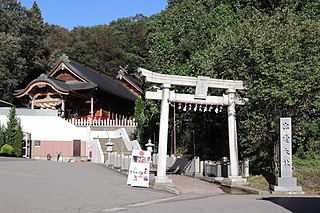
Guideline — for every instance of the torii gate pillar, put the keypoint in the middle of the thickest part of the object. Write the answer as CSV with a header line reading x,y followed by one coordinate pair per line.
x,y
233,146
163,134
234,177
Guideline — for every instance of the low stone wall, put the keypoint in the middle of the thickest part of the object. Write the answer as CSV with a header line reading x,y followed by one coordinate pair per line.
x,y
195,167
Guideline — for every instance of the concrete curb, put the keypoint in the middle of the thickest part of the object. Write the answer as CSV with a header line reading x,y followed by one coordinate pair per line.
x,y
242,188
173,190
252,190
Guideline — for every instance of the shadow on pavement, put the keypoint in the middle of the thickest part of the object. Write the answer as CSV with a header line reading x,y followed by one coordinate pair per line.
x,y
297,204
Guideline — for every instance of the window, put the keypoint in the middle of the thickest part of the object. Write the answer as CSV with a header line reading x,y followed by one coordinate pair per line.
x,y
36,143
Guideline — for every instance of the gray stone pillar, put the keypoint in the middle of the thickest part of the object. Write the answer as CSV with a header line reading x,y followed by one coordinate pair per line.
x,y
286,183
163,136
233,146
233,175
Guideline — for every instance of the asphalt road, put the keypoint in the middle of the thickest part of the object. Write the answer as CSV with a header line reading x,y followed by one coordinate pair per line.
x,y
47,186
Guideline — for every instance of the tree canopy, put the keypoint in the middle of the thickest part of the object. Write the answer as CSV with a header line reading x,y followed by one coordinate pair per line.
x,y
22,36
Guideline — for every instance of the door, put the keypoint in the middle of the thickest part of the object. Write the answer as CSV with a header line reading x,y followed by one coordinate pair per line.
x,y
76,148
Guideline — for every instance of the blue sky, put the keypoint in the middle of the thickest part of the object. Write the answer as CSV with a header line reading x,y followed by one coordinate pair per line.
x,y
72,13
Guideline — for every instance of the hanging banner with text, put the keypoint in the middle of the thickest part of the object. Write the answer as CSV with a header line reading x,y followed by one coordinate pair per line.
x,y
139,168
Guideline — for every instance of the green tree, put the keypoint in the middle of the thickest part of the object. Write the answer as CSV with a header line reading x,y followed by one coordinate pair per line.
x,y
106,47
146,114
13,132
134,42
11,64
58,41
17,144
98,46
22,34
277,57
2,135
181,40
272,46
33,33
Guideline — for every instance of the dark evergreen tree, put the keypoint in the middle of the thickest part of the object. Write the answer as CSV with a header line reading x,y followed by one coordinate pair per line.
x,y
12,127
58,41
12,64
22,37
17,144
33,35
2,135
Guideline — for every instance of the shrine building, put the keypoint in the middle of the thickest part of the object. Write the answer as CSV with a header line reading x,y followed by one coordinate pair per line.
x,y
84,95
73,107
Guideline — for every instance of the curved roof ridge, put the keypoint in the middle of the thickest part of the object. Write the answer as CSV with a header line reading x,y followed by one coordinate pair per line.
x,y
104,81
59,86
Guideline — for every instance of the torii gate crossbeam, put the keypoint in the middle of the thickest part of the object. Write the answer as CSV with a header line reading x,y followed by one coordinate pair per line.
x,y
201,83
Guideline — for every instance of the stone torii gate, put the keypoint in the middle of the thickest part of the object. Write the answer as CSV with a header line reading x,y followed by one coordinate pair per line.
x,y
202,84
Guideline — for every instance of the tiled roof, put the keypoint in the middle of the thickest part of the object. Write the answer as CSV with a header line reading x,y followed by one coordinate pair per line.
x,y
104,82
61,86
90,78
133,80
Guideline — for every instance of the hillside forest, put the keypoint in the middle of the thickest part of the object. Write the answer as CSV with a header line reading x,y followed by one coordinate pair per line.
x,y
273,46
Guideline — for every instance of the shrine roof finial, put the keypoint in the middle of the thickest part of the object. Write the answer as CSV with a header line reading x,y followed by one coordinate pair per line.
x,y
123,69
65,58
42,76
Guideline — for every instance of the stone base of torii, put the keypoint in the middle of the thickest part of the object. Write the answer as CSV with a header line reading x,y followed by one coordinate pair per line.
x,y
202,84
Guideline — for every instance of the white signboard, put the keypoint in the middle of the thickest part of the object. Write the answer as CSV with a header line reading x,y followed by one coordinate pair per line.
x,y
285,147
139,168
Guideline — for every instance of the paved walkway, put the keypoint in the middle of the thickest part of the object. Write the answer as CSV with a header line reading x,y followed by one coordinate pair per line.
x,y
189,185
48,186
182,184
34,186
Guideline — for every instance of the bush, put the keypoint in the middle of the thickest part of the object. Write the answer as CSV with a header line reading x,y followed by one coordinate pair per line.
x,y
6,150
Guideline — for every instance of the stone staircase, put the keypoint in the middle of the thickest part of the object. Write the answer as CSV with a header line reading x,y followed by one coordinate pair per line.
x,y
118,146
118,143
129,130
